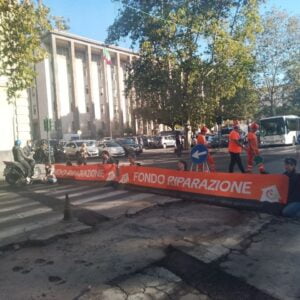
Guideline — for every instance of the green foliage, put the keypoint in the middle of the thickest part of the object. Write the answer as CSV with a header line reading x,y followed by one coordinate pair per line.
x,y
60,23
277,46
193,56
21,27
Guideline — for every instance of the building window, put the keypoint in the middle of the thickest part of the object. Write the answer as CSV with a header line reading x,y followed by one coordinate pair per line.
x,y
73,126
89,125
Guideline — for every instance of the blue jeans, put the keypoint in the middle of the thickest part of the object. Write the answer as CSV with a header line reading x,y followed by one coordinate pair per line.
x,y
292,210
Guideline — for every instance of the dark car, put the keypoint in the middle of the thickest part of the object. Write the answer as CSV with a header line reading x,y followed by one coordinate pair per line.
x,y
130,145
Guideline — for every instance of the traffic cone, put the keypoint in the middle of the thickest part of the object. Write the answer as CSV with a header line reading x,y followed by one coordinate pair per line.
x,y
67,209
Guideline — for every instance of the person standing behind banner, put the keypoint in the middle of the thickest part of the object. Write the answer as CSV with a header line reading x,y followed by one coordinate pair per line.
x,y
182,165
201,140
106,158
252,149
292,209
235,149
83,154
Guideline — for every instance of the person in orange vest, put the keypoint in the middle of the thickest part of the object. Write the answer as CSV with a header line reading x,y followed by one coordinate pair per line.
x,y
235,148
252,149
201,140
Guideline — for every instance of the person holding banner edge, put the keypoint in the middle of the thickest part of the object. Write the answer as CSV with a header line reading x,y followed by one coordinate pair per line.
x,y
235,148
201,140
253,151
292,209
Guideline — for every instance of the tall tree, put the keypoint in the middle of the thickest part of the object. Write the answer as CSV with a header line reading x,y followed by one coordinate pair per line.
x,y
22,26
192,54
277,45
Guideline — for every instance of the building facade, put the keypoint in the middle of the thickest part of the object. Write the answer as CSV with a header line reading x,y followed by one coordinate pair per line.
x,y
15,122
79,91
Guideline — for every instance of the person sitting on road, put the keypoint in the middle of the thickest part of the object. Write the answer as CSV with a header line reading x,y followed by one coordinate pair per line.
x,y
26,162
132,158
182,165
106,158
50,175
292,209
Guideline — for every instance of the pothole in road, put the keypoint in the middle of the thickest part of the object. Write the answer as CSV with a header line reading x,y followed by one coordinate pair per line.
x,y
209,278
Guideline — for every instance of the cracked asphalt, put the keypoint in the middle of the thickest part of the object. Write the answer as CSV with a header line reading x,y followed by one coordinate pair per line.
x,y
129,258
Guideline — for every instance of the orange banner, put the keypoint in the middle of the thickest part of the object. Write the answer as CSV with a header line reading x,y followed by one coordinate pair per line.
x,y
95,172
270,188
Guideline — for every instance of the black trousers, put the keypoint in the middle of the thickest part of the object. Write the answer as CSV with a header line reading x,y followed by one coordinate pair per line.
x,y
235,158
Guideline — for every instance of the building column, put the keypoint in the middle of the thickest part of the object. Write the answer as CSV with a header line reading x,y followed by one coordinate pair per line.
x,y
74,106
119,90
106,98
58,125
133,120
90,87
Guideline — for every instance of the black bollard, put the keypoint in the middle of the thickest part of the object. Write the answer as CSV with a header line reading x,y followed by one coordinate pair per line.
x,y
67,209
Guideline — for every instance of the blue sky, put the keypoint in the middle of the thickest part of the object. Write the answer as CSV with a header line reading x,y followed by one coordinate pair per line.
x,y
91,18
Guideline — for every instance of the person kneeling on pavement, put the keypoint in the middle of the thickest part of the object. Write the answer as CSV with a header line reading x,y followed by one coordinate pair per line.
x,y
292,209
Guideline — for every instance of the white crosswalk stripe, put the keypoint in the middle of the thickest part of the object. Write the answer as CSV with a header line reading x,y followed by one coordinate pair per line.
x,y
99,197
85,192
111,204
19,215
11,208
55,189
25,214
29,226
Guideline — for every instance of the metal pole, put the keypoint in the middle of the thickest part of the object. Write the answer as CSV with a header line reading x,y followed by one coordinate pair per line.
x,y
49,150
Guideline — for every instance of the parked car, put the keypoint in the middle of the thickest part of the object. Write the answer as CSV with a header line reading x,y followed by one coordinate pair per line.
x,y
164,141
107,138
129,145
113,148
72,148
147,141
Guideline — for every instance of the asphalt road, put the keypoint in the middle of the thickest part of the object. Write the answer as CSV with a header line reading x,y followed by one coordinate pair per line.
x,y
166,158
134,231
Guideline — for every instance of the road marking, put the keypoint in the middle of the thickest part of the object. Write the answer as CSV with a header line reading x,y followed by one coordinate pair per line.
x,y
110,204
18,206
26,227
30,213
71,189
89,191
54,188
9,202
98,197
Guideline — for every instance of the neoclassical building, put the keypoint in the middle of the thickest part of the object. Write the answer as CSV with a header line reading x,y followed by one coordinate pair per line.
x,y
78,90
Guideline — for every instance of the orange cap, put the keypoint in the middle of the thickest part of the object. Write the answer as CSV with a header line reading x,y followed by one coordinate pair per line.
x,y
254,126
204,129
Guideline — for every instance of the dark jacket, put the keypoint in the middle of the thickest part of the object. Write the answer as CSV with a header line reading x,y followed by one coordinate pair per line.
x,y
19,154
294,186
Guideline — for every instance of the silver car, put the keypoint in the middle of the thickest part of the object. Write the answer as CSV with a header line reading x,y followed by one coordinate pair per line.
x,y
164,141
112,148
72,148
